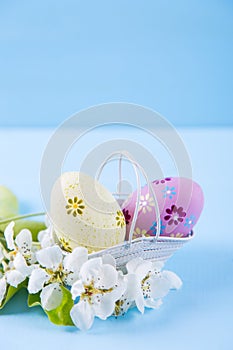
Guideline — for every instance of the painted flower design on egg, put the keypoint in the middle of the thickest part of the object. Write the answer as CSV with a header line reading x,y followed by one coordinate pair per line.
x,y
177,235
127,216
190,221
146,203
162,181
75,206
120,219
65,244
175,215
153,228
140,233
169,192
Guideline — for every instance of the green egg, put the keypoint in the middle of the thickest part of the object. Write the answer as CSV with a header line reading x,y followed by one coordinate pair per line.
x,y
9,205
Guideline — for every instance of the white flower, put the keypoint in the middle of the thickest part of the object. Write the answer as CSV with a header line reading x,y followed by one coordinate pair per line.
x,y
22,243
131,296
16,264
45,237
15,272
152,283
98,289
56,270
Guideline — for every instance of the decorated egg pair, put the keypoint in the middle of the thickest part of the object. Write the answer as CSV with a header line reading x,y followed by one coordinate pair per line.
x,y
84,212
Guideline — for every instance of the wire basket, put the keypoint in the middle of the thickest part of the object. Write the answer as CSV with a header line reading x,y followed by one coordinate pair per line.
x,y
155,248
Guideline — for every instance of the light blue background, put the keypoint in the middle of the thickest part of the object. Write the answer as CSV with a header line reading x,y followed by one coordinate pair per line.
x,y
57,57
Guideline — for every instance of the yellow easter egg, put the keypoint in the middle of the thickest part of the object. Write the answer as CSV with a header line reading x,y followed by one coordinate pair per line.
x,y
85,213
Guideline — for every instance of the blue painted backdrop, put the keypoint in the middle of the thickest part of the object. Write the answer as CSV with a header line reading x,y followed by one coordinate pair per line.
x,y
57,57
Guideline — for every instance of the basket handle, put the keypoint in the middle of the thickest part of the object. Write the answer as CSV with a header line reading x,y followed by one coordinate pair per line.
x,y
137,169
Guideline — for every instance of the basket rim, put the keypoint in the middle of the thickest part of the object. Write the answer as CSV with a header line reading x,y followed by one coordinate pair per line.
x,y
145,239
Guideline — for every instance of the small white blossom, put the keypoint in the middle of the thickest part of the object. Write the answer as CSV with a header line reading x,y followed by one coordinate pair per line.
x,y
98,289
132,295
17,261
45,237
151,283
56,269
22,243
17,270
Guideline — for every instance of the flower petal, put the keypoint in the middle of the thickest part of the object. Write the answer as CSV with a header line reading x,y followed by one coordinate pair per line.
x,y
45,238
46,241
106,278
9,236
133,292
133,287
109,259
143,269
157,266
21,265
14,278
174,280
74,260
82,315
153,304
24,241
133,264
37,280
51,296
140,267
139,301
159,286
105,307
77,289
3,286
50,257
71,278
90,269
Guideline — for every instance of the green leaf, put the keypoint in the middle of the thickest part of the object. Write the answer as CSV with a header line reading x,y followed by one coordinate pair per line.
x,y
9,205
2,241
11,291
34,299
61,315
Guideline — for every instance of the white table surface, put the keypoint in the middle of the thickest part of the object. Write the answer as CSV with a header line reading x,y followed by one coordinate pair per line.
x,y
198,316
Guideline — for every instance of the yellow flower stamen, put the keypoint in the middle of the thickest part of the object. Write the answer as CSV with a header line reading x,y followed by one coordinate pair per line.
x,y
90,290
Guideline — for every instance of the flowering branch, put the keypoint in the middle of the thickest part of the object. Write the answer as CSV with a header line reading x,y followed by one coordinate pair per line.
x,y
72,288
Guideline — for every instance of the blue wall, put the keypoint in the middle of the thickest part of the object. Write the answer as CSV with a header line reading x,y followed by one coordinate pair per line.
x,y
57,57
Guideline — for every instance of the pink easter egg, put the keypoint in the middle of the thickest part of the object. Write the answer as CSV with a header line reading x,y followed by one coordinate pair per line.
x,y
180,202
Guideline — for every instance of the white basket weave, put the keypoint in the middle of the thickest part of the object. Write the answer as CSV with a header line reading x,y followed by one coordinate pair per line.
x,y
147,248
157,248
